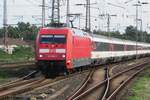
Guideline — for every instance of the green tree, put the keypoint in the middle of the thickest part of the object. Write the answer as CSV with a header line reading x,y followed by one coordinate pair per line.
x,y
13,32
22,30
1,32
115,34
130,33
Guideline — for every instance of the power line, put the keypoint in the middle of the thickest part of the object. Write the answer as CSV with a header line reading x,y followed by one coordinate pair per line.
x,y
108,20
31,2
115,5
128,1
88,14
23,6
56,11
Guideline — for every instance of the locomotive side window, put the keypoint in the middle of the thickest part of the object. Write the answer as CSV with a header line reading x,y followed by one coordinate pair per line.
x,y
49,39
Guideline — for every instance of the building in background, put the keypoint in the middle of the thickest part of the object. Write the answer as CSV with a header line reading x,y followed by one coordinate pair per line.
x,y
12,43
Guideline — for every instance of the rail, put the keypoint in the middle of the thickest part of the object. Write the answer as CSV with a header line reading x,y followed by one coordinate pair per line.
x,y
107,81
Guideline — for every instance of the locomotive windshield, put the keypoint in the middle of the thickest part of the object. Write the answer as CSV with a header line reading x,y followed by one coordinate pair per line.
x,y
52,39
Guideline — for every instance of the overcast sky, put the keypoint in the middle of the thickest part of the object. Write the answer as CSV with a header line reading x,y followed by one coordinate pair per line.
x,y
30,11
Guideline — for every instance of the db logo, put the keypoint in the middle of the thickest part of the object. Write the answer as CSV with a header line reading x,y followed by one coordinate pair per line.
x,y
53,50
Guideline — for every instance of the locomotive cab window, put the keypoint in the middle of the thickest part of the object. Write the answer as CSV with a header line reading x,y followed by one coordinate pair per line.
x,y
59,39
46,38
52,39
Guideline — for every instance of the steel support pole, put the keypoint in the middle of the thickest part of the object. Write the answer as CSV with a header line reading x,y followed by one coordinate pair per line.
x,y
5,26
136,30
43,13
67,14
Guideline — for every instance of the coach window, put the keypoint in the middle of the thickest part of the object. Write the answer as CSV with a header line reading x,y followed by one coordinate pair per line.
x,y
101,46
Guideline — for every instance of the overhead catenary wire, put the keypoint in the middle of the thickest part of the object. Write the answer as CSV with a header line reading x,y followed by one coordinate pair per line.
x,y
128,1
33,3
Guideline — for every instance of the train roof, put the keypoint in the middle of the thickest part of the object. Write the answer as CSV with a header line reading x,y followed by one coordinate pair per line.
x,y
105,39
99,38
47,28
77,32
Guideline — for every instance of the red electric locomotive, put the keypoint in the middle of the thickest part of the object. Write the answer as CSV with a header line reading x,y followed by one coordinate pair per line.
x,y
62,49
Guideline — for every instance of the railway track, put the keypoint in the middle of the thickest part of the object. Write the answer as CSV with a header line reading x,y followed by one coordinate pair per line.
x,y
8,88
24,85
28,84
97,84
20,79
107,89
123,83
43,92
17,64
94,77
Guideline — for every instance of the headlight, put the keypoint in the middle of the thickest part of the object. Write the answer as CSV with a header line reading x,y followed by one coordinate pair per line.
x,y
63,56
40,56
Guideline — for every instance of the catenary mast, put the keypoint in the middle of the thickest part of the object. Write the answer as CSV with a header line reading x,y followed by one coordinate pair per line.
x,y
55,11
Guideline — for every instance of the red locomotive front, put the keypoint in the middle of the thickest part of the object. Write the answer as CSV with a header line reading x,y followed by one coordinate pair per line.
x,y
62,49
53,49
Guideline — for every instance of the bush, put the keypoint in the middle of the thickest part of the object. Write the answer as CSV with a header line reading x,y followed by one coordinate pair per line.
x,y
24,52
3,54
19,54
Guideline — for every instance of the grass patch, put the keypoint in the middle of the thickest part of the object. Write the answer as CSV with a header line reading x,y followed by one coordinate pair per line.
x,y
141,88
19,54
7,76
3,75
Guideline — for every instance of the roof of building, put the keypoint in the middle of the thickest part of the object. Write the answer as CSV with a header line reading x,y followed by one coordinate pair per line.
x,y
12,41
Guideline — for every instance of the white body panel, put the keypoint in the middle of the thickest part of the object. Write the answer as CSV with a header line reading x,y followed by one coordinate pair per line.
x,y
107,54
100,38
